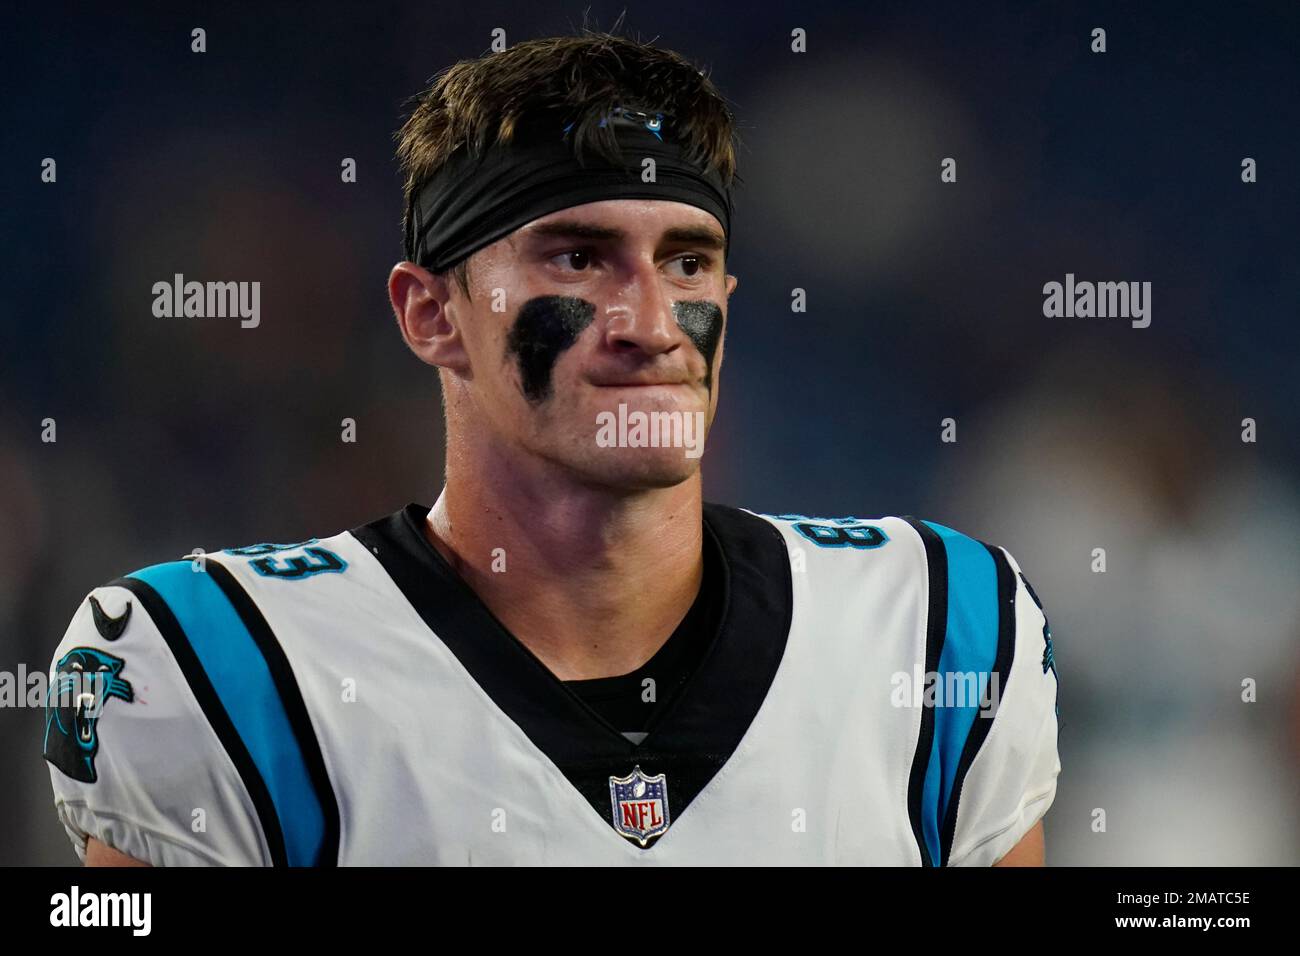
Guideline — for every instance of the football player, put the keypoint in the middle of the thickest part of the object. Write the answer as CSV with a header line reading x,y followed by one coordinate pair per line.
x,y
569,658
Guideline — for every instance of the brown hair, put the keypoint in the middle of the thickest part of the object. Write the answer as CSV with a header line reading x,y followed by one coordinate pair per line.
x,y
476,103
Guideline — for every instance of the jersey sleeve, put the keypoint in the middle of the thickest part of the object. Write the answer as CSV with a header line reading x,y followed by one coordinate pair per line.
x,y
134,759
1011,782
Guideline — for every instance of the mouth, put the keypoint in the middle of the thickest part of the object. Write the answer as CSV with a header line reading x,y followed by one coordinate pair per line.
x,y
642,381
670,394
633,385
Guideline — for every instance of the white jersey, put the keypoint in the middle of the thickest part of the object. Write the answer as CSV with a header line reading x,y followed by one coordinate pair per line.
x,y
349,700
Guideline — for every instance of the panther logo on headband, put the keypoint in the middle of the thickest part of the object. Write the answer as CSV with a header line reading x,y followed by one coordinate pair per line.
x,y
653,123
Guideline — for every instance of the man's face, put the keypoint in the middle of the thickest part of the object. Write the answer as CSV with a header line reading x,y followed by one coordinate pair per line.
x,y
615,303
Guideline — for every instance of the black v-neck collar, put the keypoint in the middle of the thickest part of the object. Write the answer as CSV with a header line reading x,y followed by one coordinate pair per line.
x,y
698,730
670,666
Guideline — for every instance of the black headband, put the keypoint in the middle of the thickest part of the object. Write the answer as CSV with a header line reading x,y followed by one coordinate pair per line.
x,y
472,201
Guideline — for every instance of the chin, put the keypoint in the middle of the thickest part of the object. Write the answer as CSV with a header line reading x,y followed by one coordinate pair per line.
x,y
637,469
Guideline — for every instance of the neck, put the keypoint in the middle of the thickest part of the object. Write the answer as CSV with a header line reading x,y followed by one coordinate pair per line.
x,y
592,580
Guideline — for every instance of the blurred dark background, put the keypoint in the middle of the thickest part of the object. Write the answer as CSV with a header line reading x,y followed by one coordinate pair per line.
x,y
924,303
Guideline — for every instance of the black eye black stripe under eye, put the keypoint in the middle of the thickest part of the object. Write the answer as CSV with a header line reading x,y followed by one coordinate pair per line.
x,y
701,320
544,328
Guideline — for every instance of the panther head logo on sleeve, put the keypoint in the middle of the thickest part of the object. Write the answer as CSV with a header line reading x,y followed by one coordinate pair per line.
x,y
84,680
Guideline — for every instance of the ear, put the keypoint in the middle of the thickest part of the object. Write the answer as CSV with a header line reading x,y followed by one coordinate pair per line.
x,y
732,282
420,303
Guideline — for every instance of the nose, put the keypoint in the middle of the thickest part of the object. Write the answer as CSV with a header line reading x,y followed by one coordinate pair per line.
x,y
640,318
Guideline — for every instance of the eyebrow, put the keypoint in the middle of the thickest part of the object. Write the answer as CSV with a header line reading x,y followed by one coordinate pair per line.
x,y
563,229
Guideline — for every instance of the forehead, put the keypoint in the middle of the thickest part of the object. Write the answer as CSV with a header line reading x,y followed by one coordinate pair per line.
x,y
627,220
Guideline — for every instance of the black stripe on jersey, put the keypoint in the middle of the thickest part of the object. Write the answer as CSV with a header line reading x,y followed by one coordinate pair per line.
x,y
936,628
213,710
294,706
696,733
1002,667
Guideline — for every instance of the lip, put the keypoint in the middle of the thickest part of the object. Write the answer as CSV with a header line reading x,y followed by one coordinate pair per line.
x,y
640,384
639,381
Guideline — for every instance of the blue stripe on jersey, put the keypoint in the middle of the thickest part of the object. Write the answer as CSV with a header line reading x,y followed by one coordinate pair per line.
x,y
240,675
970,644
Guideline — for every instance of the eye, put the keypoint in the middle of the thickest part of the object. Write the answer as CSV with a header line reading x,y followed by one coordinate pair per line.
x,y
692,265
576,259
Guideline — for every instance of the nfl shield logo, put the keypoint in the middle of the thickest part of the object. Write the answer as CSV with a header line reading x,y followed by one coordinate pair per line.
x,y
640,805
